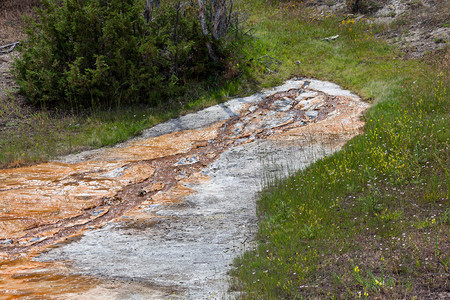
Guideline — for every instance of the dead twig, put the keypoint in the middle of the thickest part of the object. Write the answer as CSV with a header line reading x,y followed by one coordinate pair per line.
x,y
331,38
270,59
8,48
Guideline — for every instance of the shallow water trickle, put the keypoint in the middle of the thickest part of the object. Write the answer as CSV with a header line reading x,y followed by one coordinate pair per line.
x,y
164,214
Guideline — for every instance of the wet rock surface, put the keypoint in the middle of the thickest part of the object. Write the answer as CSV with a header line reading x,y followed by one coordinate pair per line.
x,y
164,215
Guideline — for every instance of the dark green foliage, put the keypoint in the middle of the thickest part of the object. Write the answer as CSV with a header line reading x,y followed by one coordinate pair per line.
x,y
180,45
363,6
102,52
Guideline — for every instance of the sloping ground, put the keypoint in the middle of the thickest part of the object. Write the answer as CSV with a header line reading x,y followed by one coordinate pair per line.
x,y
371,220
418,27
13,108
164,214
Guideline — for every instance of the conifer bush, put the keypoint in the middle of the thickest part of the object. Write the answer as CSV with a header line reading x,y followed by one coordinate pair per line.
x,y
102,52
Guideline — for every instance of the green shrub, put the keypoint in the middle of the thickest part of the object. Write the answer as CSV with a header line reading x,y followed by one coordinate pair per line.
x,y
102,52
363,6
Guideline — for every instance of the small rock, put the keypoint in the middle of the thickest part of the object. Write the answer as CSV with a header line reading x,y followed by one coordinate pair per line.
x,y
311,104
253,108
198,144
37,239
118,172
152,188
311,113
153,207
238,128
114,200
211,155
283,104
187,161
302,104
97,212
193,159
306,95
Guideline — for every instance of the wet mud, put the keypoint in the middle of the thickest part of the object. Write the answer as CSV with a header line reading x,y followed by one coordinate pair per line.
x,y
163,215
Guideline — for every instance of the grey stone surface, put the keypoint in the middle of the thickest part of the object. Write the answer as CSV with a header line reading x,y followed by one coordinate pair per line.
x,y
329,88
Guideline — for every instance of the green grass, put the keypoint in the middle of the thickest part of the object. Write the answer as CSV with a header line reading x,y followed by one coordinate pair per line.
x,y
31,135
42,134
371,220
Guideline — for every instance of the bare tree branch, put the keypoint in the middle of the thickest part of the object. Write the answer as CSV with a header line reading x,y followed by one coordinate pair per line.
x,y
149,7
218,19
201,11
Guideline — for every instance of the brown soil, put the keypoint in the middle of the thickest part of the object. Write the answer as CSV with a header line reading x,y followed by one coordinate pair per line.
x,y
11,19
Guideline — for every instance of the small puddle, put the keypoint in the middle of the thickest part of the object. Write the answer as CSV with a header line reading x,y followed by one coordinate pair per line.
x,y
153,189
